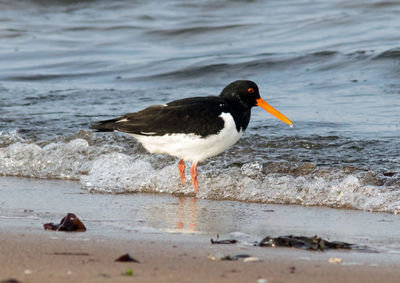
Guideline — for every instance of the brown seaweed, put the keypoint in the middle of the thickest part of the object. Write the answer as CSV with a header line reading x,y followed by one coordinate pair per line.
x,y
308,243
70,223
126,258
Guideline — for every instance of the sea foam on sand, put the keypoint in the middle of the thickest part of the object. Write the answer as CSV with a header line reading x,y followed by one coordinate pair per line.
x,y
108,167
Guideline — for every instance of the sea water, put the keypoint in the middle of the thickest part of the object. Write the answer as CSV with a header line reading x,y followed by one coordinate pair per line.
x,y
332,67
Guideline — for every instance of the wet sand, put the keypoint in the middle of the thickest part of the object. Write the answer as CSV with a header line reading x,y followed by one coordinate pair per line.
x,y
37,257
171,239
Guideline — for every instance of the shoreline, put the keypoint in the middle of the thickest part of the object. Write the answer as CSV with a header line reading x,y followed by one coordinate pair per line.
x,y
170,236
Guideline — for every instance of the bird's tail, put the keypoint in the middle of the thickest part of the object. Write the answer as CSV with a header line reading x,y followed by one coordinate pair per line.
x,y
104,126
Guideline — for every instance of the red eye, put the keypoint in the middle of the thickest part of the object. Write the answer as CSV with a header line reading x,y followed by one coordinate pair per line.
x,y
250,90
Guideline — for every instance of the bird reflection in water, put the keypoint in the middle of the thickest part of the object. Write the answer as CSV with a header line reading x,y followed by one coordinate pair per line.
x,y
187,214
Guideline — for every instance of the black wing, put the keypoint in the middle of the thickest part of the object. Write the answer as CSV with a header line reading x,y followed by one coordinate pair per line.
x,y
198,115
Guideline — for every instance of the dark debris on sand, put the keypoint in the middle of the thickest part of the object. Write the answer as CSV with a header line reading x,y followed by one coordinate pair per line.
x,y
231,258
11,280
235,257
223,242
301,242
126,258
70,223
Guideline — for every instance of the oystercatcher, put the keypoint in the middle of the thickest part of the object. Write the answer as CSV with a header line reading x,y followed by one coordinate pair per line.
x,y
194,128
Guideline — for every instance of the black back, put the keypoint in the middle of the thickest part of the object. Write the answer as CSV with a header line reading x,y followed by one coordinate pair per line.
x,y
197,115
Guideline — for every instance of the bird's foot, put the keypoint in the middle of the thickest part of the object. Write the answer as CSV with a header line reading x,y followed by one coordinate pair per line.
x,y
193,174
181,168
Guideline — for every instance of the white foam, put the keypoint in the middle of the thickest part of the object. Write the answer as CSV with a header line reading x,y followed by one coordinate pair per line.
x,y
105,168
121,173
55,160
118,172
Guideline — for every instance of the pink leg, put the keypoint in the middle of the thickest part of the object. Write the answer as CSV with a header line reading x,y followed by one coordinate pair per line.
x,y
181,168
193,174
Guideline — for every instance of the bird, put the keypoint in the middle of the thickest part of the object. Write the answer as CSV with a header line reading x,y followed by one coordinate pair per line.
x,y
195,128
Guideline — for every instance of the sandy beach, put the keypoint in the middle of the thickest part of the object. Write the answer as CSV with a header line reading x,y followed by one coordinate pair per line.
x,y
51,257
170,236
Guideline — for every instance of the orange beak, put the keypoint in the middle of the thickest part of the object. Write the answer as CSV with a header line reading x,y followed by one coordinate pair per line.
x,y
264,105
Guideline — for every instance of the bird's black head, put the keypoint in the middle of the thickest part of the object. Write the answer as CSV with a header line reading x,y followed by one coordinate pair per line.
x,y
243,92
246,94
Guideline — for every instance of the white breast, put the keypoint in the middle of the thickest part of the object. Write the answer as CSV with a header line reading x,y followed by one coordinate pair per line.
x,y
192,147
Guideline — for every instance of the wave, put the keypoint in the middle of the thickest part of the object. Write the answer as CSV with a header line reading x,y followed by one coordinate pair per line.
x,y
324,60
107,165
196,66
196,30
389,54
